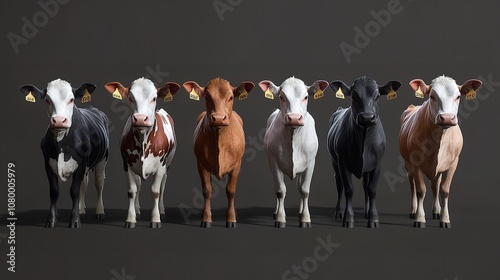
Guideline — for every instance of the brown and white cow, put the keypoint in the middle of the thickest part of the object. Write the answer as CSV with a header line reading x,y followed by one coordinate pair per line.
x,y
430,142
219,140
147,144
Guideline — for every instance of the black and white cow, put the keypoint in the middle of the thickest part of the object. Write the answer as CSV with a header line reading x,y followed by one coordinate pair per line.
x,y
76,141
356,142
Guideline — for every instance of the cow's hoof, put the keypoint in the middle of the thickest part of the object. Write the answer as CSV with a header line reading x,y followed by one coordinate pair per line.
x,y
274,216
231,224
338,215
348,224
304,224
155,225
50,224
75,224
373,224
419,224
279,225
412,215
206,224
436,216
100,216
129,225
444,225
162,216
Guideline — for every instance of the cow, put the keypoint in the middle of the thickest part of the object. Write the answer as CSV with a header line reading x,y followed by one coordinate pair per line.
x,y
219,140
356,143
76,141
430,142
291,143
147,143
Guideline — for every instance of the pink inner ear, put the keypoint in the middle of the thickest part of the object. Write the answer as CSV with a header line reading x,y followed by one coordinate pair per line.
x,y
264,85
417,83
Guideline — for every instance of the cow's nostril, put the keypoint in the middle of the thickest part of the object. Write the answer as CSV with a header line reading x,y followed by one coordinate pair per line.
x,y
145,118
300,117
64,120
224,117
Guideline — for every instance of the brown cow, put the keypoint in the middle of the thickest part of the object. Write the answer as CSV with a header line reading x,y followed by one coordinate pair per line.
x,y
430,142
219,140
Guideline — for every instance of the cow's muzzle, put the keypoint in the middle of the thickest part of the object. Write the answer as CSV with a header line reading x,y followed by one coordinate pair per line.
x,y
294,120
446,120
59,122
140,120
366,119
219,120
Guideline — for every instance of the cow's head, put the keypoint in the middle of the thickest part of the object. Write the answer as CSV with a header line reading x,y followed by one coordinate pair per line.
x,y
219,96
142,96
444,97
59,97
365,93
293,95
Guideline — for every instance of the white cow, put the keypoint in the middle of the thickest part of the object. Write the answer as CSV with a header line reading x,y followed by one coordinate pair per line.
x,y
148,143
291,142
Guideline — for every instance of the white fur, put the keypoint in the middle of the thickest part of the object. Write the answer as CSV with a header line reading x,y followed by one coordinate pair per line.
x,y
291,152
60,100
445,90
143,93
63,169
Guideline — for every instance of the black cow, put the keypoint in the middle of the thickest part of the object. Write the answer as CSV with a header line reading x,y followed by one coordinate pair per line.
x,y
76,141
356,142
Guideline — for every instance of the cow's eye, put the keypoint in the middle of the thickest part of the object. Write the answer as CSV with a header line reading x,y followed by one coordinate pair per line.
x,y
432,97
71,101
231,98
458,98
47,101
131,99
306,97
154,99
282,98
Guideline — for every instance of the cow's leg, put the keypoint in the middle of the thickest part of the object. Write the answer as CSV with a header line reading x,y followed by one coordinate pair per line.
x,y
137,205
162,190
132,180
421,190
230,193
155,192
340,190
304,185
83,190
54,195
280,188
413,190
99,186
206,184
371,182
367,200
436,207
75,196
444,194
348,221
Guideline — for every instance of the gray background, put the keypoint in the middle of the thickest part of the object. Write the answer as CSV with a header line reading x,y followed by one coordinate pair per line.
x,y
103,41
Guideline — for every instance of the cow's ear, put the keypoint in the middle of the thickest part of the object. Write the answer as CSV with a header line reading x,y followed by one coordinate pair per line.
x,y
336,85
267,86
385,89
419,84
193,87
244,89
118,91
469,85
36,93
316,86
85,87
169,87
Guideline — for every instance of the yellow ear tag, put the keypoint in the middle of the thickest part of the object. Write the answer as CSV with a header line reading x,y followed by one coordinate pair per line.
x,y
116,94
168,97
339,94
471,94
318,94
392,94
243,95
419,93
269,94
193,95
30,97
86,97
